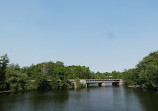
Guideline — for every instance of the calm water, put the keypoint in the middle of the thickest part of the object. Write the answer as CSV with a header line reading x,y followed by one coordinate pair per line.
x,y
90,99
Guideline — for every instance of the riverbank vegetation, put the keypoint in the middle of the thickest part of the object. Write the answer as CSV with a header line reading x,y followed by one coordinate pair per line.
x,y
46,75
145,74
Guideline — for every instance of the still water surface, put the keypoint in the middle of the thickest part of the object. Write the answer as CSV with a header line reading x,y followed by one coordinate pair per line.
x,y
90,99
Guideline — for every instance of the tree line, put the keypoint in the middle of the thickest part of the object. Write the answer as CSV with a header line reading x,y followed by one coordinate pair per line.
x,y
145,73
45,75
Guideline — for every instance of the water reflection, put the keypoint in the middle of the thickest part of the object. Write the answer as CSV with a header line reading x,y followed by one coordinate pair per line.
x,y
148,99
12,102
90,99
96,84
42,100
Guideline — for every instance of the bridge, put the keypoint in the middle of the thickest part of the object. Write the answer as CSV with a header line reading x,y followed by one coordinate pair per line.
x,y
101,82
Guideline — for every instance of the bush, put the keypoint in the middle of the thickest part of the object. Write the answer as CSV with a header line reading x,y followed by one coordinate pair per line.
x,y
15,79
31,85
79,84
42,83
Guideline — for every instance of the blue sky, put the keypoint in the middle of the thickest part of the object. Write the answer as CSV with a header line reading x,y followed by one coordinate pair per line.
x,y
104,35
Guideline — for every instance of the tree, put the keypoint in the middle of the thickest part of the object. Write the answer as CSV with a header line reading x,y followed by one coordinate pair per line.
x,y
42,83
61,73
59,64
116,75
15,79
148,70
131,76
4,60
145,73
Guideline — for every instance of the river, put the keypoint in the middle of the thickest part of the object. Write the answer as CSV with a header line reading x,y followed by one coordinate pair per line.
x,y
90,99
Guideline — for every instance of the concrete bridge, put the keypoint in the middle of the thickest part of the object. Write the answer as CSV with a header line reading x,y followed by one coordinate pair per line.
x,y
101,82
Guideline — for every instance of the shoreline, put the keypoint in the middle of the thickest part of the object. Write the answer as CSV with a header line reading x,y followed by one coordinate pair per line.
x,y
2,92
134,86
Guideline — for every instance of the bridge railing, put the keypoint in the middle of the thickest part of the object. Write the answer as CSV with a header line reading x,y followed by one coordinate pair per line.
x,y
88,80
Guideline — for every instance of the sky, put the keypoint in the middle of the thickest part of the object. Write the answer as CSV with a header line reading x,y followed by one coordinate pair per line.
x,y
104,35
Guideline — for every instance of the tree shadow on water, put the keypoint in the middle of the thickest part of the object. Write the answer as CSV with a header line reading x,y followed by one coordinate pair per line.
x,y
148,99
51,100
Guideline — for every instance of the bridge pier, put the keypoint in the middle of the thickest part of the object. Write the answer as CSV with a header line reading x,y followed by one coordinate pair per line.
x,y
75,84
121,82
82,81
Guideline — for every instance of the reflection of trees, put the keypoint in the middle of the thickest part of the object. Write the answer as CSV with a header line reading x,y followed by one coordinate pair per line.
x,y
61,95
4,101
126,99
12,102
148,99
141,98
51,99
34,101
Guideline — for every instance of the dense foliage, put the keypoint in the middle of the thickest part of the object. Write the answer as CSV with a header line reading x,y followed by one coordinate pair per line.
x,y
15,79
50,75
145,73
3,65
45,75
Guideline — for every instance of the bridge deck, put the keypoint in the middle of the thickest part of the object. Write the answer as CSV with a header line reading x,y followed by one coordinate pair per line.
x,y
96,80
101,80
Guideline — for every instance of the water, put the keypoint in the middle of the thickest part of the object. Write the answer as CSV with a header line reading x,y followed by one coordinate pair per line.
x,y
90,99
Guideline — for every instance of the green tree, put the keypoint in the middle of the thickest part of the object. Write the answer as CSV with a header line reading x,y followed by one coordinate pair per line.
x,y
148,70
145,73
131,76
4,60
16,80
42,83
61,73
116,75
